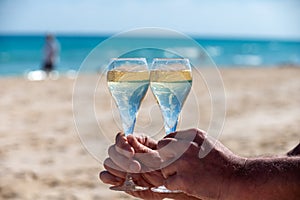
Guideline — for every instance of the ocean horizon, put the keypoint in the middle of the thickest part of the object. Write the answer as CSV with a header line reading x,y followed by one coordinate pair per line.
x,y
20,54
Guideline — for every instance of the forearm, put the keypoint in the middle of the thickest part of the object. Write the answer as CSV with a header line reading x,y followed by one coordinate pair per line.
x,y
267,178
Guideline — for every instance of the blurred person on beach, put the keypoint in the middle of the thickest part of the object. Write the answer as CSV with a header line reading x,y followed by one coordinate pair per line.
x,y
51,53
220,174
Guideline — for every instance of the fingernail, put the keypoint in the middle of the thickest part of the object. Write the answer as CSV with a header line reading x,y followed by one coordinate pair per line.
x,y
132,151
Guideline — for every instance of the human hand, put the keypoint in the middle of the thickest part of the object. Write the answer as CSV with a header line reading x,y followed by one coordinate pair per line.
x,y
128,152
184,170
135,155
148,194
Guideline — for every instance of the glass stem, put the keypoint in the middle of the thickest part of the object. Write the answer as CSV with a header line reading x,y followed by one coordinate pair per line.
x,y
169,129
128,180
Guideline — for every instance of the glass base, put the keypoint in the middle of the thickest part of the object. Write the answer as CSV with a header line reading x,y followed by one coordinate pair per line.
x,y
163,189
128,185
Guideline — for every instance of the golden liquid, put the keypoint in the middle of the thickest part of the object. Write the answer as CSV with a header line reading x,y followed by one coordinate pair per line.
x,y
125,76
170,76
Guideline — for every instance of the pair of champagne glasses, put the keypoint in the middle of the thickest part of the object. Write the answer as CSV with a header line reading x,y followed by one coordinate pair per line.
x,y
128,79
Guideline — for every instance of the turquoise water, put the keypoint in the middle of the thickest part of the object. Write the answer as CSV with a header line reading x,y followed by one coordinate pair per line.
x,y
20,54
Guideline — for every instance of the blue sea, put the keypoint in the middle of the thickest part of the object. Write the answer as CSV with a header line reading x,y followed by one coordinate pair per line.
x,y
22,53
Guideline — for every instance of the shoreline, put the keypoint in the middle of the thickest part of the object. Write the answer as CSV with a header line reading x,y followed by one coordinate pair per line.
x,y
219,67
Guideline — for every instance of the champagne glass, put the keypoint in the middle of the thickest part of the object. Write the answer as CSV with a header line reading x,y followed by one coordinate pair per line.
x,y
128,82
170,82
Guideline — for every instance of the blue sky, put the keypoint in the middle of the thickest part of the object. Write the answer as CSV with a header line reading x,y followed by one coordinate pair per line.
x,y
229,18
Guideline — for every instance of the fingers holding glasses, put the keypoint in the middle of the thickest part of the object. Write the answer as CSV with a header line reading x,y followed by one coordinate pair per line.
x,y
123,162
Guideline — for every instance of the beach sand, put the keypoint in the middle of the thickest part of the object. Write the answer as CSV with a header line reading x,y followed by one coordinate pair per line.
x,y
41,156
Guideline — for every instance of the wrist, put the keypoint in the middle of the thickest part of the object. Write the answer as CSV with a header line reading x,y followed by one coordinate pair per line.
x,y
232,186
247,179
270,178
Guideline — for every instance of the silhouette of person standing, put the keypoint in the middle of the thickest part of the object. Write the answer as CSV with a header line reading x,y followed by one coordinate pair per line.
x,y
51,52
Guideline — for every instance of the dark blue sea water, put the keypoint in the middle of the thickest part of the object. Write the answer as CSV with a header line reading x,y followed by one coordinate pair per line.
x,y
20,54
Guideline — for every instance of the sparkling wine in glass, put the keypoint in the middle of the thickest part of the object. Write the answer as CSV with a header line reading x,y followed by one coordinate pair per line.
x,y
170,82
128,82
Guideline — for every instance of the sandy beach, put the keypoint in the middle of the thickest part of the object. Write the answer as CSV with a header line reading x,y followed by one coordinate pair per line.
x,y
41,155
